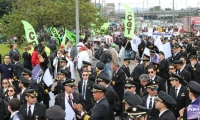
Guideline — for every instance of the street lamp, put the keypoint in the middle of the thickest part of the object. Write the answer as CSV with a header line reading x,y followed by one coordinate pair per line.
x,y
173,12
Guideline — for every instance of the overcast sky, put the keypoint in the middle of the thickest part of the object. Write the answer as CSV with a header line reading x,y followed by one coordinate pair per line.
x,y
178,4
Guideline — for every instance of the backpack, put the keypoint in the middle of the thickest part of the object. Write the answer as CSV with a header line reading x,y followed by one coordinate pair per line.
x,y
6,111
116,103
96,54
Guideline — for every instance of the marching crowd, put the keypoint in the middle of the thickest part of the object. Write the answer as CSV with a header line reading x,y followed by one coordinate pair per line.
x,y
158,88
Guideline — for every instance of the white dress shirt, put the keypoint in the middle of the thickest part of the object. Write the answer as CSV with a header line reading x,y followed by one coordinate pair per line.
x,y
84,82
153,77
32,108
148,100
23,90
178,89
82,56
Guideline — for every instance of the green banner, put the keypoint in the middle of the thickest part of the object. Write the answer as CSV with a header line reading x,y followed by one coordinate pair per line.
x,y
64,37
54,32
129,22
71,36
30,33
105,26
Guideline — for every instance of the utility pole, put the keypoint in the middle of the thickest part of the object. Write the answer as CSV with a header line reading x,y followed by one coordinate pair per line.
x,y
147,11
77,22
160,12
173,12
95,3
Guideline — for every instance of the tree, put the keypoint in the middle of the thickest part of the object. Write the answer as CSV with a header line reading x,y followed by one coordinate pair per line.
x,y
168,9
48,13
155,8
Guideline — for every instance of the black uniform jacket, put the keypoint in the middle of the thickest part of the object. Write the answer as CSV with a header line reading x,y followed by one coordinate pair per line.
x,y
182,99
39,111
167,115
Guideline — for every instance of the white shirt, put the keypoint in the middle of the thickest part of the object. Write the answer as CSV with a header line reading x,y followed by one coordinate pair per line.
x,y
181,69
153,77
82,56
162,112
13,114
32,108
67,98
178,90
148,100
4,90
69,49
23,90
84,82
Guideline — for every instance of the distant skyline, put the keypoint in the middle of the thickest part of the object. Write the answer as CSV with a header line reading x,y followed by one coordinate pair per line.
x,y
178,4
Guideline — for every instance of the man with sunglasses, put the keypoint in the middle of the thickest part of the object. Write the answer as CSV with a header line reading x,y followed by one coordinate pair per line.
x,y
154,77
69,96
23,85
33,84
125,67
149,100
179,93
100,110
84,87
162,103
31,110
176,54
59,88
130,86
91,71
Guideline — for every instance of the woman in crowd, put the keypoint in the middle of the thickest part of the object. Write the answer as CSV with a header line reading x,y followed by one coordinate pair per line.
x,y
11,93
27,59
56,62
4,89
43,64
13,50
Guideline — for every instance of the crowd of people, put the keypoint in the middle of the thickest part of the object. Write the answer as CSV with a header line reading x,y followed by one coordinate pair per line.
x,y
157,88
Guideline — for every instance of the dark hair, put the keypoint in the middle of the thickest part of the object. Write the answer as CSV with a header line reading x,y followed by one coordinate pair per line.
x,y
106,46
184,58
172,64
14,88
193,57
80,40
36,48
15,57
152,67
84,71
14,104
11,46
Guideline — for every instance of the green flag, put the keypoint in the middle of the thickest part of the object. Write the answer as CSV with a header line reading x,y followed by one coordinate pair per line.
x,y
54,32
129,22
64,37
71,36
105,26
30,33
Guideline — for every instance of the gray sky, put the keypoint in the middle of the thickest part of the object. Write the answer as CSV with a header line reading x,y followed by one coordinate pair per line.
x,y
178,4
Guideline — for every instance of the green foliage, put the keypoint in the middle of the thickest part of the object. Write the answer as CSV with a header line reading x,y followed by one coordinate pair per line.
x,y
168,9
40,13
155,8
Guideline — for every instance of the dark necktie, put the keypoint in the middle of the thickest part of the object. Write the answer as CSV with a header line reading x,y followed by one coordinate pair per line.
x,y
69,100
176,91
150,103
84,90
29,112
